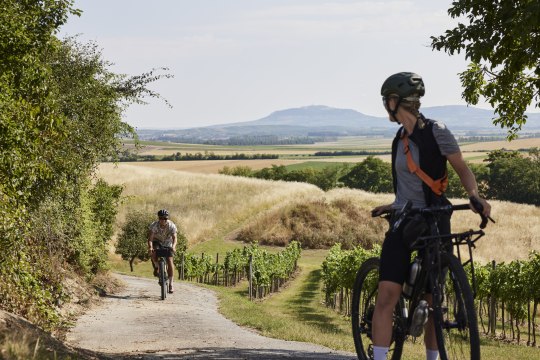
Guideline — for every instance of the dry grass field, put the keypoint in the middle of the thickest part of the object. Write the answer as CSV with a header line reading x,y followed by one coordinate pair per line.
x,y
503,144
295,154
210,206
205,205
211,166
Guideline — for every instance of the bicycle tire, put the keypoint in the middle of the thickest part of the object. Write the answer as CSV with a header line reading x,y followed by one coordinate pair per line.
x,y
163,278
363,304
456,324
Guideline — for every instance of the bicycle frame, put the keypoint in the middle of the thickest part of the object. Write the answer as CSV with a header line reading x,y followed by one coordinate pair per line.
x,y
430,249
161,255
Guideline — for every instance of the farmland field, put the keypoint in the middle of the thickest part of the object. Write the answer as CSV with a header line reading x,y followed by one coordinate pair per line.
x,y
297,154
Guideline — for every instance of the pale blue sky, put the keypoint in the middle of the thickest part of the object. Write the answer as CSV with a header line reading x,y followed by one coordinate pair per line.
x,y
239,60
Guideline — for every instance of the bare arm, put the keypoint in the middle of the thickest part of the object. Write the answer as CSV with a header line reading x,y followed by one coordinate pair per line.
x,y
468,180
174,239
150,240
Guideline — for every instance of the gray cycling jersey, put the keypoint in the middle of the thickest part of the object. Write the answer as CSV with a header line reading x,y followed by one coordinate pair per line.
x,y
163,234
409,186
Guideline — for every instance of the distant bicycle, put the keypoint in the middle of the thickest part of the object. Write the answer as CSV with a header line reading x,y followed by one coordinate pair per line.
x,y
436,270
162,252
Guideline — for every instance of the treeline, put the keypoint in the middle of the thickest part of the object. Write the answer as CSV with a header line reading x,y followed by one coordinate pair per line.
x,y
506,175
60,115
507,295
244,140
480,138
269,140
350,153
127,156
326,178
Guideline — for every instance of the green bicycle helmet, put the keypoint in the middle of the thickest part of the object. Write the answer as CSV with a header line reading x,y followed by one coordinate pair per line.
x,y
403,84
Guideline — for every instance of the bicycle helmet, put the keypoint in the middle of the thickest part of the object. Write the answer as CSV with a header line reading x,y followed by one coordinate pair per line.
x,y
406,86
403,84
163,214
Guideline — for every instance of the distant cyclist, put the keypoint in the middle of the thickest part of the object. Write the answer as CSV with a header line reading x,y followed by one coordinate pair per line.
x,y
162,233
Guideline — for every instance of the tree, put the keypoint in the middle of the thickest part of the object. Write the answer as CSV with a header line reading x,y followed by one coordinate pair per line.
x,y
60,115
502,41
372,175
513,177
132,241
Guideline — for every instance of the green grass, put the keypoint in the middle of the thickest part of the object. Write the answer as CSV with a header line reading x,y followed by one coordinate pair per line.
x,y
298,313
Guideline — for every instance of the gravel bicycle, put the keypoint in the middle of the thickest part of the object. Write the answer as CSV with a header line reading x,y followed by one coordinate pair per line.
x,y
434,270
162,253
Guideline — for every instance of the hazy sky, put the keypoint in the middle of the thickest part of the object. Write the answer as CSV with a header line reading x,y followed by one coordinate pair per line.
x,y
239,60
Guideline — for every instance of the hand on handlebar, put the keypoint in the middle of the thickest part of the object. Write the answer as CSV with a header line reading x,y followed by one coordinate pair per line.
x,y
482,207
379,210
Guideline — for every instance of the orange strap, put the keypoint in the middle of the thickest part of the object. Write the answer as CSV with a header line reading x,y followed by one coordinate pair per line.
x,y
437,186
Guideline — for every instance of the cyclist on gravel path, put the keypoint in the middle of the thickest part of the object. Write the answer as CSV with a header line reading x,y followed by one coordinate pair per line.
x,y
425,144
163,233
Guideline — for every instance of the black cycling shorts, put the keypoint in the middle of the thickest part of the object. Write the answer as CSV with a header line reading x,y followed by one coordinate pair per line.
x,y
396,255
161,251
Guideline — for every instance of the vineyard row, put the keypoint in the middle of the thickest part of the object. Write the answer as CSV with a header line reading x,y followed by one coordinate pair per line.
x,y
265,272
507,295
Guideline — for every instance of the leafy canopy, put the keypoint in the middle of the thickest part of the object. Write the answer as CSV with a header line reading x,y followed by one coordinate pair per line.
x,y
502,41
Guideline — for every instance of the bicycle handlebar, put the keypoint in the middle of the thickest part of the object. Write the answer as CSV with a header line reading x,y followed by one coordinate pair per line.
x,y
408,210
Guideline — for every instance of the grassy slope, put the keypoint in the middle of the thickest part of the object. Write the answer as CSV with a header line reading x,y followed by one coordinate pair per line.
x,y
297,312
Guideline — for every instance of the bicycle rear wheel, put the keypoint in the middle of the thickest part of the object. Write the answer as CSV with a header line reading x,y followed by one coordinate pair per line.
x,y
163,278
363,305
456,325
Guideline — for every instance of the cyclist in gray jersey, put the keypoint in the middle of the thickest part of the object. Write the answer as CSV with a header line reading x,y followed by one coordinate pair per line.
x,y
427,145
162,233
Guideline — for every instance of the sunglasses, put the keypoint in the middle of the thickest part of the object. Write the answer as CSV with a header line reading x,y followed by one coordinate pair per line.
x,y
163,218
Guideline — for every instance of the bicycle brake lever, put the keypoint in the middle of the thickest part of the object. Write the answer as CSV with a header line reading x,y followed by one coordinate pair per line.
x,y
480,208
402,215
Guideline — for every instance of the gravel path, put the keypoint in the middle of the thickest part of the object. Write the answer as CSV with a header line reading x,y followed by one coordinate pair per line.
x,y
136,324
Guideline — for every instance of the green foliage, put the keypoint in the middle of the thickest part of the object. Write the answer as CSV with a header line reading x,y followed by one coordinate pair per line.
x,y
513,177
456,189
502,42
267,267
340,267
244,171
133,238
132,241
372,175
60,114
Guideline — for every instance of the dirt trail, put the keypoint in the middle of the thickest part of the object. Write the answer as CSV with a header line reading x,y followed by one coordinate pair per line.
x,y
136,324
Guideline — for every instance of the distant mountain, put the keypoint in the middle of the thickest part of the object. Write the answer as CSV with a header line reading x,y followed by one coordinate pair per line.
x,y
324,121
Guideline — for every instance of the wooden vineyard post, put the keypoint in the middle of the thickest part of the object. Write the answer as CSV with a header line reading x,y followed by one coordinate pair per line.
x,y
216,282
492,308
182,260
250,277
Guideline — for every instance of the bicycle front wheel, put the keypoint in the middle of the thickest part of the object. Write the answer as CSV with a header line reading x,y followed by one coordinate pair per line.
x,y
365,292
163,278
456,325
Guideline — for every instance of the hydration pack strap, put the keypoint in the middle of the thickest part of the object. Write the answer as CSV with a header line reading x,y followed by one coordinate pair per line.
x,y
437,186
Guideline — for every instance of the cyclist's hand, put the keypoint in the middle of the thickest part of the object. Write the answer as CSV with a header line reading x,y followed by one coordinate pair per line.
x,y
381,209
150,251
479,205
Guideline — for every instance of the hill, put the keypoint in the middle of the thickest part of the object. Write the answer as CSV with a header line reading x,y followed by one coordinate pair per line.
x,y
323,122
